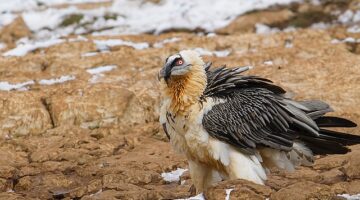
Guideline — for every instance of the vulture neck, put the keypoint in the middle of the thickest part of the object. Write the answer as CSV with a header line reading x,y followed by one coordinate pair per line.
x,y
186,90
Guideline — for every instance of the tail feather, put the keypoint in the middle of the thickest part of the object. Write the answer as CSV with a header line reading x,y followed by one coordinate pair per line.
x,y
342,138
329,141
328,121
321,146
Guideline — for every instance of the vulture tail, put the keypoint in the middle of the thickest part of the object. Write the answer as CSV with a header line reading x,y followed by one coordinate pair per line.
x,y
329,141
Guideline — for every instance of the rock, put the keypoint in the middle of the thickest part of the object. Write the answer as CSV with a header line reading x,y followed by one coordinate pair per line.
x,y
88,112
94,186
14,196
78,192
303,190
303,174
7,172
352,187
242,189
330,177
329,162
14,31
3,185
25,183
107,194
246,23
352,168
23,113
57,181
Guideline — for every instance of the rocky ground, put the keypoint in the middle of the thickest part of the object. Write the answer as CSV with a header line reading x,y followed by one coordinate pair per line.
x,y
95,134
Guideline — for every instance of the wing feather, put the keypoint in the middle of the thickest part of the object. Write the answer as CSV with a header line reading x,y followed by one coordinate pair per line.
x,y
255,111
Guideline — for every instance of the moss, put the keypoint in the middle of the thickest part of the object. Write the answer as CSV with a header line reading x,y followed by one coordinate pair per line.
x,y
305,19
110,16
72,19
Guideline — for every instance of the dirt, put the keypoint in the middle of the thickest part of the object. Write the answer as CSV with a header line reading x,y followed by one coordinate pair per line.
x,y
84,140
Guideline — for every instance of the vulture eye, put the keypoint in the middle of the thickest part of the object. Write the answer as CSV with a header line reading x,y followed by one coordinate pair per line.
x,y
179,62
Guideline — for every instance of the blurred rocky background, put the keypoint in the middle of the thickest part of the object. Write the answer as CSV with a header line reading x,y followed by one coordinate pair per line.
x,y
79,96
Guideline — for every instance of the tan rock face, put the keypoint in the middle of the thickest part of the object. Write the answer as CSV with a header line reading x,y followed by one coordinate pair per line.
x,y
304,190
101,139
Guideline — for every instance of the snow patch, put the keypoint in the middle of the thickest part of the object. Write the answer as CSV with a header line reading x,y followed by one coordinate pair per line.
x,y
173,176
6,86
2,45
197,197
211,35
268,62
101,69
354,29
89,54
264,29
346,40
27,46
184,14
228,191
6,18
21,5
205,52
96,72
320,25
53,81
132,17
105,44
349,16
350,197
166,41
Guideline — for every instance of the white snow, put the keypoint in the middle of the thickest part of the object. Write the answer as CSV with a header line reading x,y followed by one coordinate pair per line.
x,y
173,176
197,197
349,16
320,25
101,69
23,5
49,18
264,29
130,17
27,46
6,86
346,17
205,52
2,45
348,40
79,38
211,35
350,197
96,72
268,62
354,29
105,44
166,41
6,18
228,191
53,81
179,14
89,54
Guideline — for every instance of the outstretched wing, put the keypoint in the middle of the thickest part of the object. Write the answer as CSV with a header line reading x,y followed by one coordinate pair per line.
x,y
256,112
256,116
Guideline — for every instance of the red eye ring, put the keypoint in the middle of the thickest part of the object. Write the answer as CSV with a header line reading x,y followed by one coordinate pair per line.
x,y
179,62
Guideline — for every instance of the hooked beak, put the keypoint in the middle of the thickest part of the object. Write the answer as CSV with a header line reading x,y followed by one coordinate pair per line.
x,y
165,72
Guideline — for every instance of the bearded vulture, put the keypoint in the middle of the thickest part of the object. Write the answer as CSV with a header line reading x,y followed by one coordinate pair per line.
x,y
234,126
